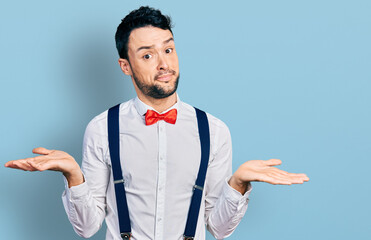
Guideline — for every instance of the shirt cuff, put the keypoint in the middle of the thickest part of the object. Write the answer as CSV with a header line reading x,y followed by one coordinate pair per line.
x,y
78,192
235,196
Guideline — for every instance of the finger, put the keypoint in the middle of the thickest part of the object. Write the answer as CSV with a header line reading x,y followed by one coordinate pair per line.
x,y
38,159
43,165
273,162
41,150
20,164
24,164
7,164
304,176
297,178
277,170
25,160
30,168
285,178
35,164
274,179
11,164
299,175
288,178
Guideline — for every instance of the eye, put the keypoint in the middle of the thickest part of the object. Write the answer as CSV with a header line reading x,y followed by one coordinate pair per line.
x,y
147,56
169,50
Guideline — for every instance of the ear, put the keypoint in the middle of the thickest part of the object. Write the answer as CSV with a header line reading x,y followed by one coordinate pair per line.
x,y
125,66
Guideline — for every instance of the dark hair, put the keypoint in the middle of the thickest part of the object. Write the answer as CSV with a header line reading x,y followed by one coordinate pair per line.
x,y
142,17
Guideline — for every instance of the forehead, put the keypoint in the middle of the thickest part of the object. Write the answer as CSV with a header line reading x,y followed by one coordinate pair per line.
x,y
148,36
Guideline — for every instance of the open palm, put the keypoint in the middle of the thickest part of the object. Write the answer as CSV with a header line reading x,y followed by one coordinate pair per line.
x,y
264,171
54,160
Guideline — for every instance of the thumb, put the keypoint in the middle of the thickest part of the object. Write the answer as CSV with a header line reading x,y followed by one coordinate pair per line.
x,y
273,162
41,150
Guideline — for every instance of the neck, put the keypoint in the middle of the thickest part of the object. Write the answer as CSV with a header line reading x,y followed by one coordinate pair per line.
x,y
160,105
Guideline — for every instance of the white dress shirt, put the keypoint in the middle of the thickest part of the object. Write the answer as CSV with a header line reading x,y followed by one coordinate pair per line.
x,y
160,163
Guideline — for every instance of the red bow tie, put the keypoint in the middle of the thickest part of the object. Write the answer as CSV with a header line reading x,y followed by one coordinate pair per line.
x,y
152,117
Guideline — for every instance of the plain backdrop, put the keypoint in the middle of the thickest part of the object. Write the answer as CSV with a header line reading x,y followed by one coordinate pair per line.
x,y
290,78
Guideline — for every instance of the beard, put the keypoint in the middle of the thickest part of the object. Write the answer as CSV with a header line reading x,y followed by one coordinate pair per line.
x,y
156,90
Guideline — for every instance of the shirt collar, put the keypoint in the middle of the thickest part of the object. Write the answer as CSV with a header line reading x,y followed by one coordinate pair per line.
x,y
142,107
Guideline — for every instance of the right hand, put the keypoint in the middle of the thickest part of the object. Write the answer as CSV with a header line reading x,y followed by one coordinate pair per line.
x,y
54,160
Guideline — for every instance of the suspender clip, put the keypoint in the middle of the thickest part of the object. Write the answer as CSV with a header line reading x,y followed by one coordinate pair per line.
x,y
188,238
198,187
126,235
119,181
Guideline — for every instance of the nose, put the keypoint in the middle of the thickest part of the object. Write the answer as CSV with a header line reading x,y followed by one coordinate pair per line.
x,y
162,63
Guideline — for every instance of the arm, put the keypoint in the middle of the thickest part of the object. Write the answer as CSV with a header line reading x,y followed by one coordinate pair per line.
x,y
85,204
83,198
224,206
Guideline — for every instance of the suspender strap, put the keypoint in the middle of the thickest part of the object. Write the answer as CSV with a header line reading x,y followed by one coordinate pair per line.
x,y
114,149
203,129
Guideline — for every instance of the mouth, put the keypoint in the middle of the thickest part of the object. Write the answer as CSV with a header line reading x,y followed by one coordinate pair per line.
x,y
164,77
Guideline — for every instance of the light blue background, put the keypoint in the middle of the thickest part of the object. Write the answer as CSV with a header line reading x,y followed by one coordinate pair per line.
x,y
290,78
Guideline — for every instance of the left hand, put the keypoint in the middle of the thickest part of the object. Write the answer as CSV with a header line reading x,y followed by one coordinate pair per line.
x,y
263,171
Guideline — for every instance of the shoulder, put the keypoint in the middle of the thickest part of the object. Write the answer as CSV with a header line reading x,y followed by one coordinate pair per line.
x,y
216,123
219,134
218,129
98,125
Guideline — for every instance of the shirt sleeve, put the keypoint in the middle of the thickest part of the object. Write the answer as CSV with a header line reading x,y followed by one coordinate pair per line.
x,y
85,204
224,206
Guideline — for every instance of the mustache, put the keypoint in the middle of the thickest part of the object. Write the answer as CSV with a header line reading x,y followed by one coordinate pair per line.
x,y
159,74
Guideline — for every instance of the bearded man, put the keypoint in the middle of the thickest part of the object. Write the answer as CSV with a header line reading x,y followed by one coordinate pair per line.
x,y
159,148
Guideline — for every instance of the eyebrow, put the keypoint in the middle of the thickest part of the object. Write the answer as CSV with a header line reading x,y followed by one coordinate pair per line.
x,y
152,46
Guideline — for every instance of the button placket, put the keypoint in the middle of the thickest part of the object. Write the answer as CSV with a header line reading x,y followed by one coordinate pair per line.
x,y
160,203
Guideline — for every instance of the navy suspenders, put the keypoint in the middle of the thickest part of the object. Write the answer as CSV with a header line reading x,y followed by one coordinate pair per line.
x,y
203,129
114,149
122,207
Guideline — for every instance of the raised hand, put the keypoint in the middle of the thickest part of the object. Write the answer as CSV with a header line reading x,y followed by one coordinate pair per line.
x,y
264,171
54,160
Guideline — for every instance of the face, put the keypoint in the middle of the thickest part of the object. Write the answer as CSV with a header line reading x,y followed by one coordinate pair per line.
x,y
153,62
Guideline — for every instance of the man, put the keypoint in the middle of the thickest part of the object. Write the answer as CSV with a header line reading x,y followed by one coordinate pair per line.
x,y
160,160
